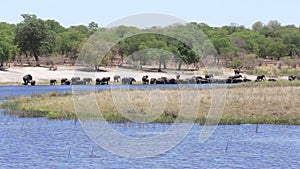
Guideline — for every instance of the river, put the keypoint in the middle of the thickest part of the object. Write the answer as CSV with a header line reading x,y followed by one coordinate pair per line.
x,y
42,143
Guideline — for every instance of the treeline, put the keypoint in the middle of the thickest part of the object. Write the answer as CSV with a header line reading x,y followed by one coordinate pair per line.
x,y
34,37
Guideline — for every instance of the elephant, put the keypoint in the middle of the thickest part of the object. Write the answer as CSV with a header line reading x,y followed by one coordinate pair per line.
x,y
102,81
260,78
105,80
88,80
291,78
98,81
27,79
32,82
152,81
74,79
172,81
63,81
128,80
209,76
191,81
202,81
67,82
237,81
117,78
272,80
145,79
246,80
230,80
235,77
237,71
165,79
79,82
177,77
53,82
160,81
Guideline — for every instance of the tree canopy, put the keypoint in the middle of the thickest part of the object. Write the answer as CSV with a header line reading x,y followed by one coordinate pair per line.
x,y
35,37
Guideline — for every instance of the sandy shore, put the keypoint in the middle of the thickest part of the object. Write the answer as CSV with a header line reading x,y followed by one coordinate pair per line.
x,y
42,75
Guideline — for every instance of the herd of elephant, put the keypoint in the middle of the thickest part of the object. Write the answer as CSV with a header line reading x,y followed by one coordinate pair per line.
x,y
209,78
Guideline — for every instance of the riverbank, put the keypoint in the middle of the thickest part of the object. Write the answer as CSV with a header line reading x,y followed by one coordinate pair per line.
x,y
264,103
42,75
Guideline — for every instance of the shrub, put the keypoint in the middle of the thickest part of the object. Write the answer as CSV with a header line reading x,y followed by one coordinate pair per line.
x,y
235,63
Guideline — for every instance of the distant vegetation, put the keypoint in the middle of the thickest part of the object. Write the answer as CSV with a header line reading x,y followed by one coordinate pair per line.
x,y
235,46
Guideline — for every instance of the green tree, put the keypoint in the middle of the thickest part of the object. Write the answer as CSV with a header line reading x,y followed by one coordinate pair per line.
x,y
69,44
257,26
31,34
7,47
276,50
93,26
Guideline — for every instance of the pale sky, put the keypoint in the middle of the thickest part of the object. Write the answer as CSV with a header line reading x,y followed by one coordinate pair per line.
x,y
212,12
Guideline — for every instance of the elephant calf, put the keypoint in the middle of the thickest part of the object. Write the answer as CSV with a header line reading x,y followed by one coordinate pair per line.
x,y
32,82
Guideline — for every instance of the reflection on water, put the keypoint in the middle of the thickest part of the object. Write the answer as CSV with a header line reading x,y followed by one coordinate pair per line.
x,y
42,143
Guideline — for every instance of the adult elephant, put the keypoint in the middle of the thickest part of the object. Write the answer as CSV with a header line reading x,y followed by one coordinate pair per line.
x,y
98,81
117,78
128,80
237,71
75,79
260,78
53,82
88,80
145,79
153,81
27,79
63,81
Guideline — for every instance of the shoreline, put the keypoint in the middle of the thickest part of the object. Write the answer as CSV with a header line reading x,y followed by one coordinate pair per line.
x,y
42,75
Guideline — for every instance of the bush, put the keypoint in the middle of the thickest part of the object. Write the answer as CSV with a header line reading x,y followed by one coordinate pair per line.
x,y
235,63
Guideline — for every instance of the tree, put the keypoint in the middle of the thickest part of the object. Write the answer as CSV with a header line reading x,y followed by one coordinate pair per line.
x,y
257,26
291,38
276,50
93,27
70,43
7,47
274,25
31,34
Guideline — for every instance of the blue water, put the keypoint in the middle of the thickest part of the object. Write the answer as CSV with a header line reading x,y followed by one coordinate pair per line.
x,y
29,90
42,143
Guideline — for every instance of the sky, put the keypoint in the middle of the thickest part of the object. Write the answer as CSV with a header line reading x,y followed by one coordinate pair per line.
x,y
212,12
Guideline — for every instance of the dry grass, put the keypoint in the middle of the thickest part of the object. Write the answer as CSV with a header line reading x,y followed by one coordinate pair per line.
x,y
254,104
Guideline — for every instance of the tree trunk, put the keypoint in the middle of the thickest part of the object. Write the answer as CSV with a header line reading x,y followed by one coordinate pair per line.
x,y
179,65
122,60
159,65
36,57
